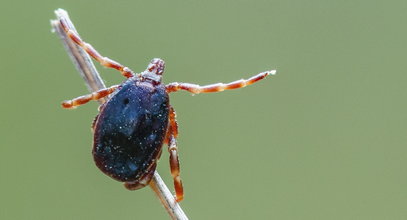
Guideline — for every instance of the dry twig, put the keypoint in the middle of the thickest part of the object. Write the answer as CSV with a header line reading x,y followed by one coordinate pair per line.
x,y
93,81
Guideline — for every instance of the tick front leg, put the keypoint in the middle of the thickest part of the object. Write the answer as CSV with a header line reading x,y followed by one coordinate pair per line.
x,y
104,61
218,87
173,150
86,98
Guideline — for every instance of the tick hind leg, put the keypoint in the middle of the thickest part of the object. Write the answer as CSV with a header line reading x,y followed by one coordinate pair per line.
x,y
86,98
104,61
173,150
217,87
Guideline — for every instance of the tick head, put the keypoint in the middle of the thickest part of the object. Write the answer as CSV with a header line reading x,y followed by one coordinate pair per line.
x,y
154,70
156,66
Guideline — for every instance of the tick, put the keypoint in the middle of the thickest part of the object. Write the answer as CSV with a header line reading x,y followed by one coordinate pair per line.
x,y
138,119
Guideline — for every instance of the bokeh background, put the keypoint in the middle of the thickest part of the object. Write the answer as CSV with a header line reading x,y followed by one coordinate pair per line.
x,y
323,139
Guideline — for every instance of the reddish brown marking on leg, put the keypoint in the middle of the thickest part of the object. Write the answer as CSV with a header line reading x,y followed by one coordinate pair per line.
x,y
256,78
104,61
179,189
175,171
218,87
113,64
173,122
74,37
237,84
93,53
172,133
86,98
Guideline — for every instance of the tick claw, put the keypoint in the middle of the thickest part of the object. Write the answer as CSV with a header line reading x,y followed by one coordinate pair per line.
x,y
67,104
178,199
272,72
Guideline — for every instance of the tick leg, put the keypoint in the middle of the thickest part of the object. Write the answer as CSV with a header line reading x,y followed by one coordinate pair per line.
x,y
217,87
174,165
173,150
86,98
104,61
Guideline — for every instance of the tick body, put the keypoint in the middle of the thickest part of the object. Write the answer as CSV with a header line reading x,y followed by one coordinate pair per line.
x,y
130,130
138,119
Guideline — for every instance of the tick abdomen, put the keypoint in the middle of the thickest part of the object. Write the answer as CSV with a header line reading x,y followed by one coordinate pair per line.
x,y
130,130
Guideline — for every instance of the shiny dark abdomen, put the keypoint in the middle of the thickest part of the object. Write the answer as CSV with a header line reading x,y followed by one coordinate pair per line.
x,y
130,130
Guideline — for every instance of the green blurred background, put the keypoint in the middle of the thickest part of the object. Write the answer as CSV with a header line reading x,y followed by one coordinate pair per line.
x,y
323,139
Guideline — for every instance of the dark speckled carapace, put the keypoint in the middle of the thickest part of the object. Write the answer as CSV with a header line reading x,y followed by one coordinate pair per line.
x,y
130,129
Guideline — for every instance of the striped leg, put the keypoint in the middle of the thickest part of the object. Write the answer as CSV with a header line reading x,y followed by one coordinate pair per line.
x,y
173,150
218,87
86,98
104,61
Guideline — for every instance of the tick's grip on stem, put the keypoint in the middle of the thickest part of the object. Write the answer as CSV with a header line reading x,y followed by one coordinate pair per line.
x,y
104,61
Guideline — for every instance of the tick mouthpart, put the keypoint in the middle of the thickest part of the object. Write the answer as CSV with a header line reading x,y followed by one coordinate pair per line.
x,y
156,66
154,70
